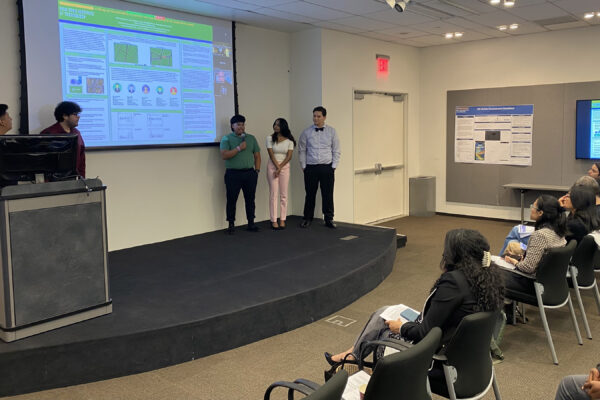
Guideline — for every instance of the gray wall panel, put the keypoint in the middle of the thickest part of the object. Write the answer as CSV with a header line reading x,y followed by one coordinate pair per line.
x,y
553,161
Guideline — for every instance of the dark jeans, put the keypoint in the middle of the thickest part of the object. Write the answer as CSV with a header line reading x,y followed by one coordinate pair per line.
x,y
244,179
315,175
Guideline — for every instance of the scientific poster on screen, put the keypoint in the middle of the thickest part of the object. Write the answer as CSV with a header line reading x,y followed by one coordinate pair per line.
x,y
141,79
494,135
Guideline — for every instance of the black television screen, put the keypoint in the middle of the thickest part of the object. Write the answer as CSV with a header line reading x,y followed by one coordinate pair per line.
x,y
24,156
587,132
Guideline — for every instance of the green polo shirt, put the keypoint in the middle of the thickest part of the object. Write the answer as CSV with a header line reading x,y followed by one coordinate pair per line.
x,y
245,158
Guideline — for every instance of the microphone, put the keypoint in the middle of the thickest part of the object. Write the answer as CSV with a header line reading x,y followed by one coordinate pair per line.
x,y
243,135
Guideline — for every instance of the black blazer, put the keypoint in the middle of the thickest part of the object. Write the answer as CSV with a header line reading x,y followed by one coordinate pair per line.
x,y
450,301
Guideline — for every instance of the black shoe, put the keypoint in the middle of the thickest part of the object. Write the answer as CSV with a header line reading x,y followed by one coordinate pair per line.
x,y
252,228
230,229
305,223
328,356
330,224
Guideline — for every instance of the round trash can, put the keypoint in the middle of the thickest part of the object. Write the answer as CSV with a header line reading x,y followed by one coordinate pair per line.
x,y
421,196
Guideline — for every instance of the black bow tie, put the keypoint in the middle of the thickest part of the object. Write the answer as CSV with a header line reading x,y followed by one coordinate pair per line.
x,y
319,129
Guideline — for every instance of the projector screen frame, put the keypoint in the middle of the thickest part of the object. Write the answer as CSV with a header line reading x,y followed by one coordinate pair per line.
x,y
24,100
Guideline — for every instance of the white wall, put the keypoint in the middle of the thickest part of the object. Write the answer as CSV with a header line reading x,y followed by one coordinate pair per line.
x,y
553,57
306,93
348,64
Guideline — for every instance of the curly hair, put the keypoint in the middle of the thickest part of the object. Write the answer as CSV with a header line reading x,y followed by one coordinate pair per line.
x,y
463,251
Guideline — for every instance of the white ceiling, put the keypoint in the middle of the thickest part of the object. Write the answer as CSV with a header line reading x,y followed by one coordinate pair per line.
x,y
423,24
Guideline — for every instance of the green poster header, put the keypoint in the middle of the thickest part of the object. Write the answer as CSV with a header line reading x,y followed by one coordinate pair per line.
x,y
131,20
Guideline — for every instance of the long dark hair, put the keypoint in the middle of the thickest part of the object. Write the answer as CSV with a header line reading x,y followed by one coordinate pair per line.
x,y
553,216
464,251
583,199
284,130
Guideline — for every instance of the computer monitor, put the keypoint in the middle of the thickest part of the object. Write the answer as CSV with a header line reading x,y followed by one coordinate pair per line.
x,y
24,156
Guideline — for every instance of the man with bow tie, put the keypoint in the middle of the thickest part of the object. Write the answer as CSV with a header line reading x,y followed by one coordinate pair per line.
x,y
319,154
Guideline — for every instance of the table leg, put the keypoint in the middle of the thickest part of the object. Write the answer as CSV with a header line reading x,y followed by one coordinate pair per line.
x,y
522,206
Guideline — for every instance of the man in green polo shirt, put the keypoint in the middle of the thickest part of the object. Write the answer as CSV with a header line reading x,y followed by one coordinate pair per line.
x,y
242,164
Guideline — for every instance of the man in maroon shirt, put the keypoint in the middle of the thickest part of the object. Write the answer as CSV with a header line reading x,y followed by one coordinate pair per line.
x,y
67,117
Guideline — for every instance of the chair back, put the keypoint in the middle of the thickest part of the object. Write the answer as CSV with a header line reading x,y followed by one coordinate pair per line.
x,y
403,375
468,351
583,259
332,389
552,272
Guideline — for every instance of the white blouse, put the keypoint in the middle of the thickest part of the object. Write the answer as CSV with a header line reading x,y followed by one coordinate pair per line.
x,y
280,149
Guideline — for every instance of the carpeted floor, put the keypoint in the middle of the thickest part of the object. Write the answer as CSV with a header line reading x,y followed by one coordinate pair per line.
x,y
245,372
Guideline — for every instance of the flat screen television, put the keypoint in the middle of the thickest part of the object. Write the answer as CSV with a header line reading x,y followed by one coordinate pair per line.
x,y
587,131
24,156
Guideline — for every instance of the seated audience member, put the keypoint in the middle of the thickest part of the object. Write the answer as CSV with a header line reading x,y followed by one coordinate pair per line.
x,y
583,217
67,118
550,230
592,183
586,180
5,119
469,283
594,171
580,387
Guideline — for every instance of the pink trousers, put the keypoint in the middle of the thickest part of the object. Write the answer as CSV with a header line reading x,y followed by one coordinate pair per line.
x,y
278,188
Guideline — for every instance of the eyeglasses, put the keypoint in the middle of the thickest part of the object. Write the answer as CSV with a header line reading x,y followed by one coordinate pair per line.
x,y
533,207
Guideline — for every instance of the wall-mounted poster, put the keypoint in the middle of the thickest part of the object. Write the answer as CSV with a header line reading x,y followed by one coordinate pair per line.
x,y
494,135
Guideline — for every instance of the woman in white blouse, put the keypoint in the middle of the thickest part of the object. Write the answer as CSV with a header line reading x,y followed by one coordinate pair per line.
x,y
280,146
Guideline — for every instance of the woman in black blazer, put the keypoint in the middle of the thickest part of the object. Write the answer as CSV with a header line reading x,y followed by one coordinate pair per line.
x,y
469,283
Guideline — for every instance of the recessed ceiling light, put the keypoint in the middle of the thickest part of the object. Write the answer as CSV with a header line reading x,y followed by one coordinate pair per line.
x,y
509,3
449,35
458,34
502,27
494,2
514,26
589,15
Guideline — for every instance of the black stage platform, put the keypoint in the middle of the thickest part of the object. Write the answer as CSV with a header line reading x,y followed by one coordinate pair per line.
x,y
187,298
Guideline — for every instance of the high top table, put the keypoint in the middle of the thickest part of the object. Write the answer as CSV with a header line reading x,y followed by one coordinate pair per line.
x,y
53,255
524,187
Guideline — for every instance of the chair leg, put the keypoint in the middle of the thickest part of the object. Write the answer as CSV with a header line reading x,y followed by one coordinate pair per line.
x,y
449,382
597,295
575,325
495,386
538,295
580,302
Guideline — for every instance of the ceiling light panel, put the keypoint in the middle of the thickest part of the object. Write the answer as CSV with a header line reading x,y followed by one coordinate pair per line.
x,y
438,27
526,28
473,26
494,19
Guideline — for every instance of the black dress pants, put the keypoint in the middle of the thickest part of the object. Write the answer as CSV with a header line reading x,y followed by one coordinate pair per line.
x,y
244,179
315,175
518,282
